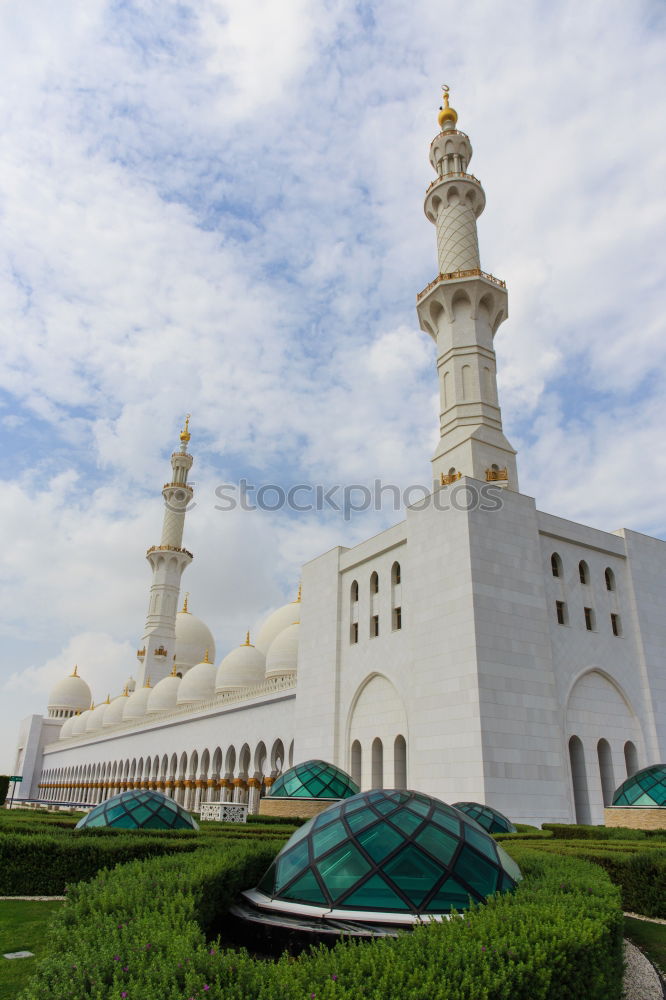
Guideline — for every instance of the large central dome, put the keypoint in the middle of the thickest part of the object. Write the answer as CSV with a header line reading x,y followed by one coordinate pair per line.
x,y
385,857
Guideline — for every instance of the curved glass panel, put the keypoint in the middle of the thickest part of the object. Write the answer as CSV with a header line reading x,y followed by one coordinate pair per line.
x,y
490,819
139,809
644,788
389,851
314,779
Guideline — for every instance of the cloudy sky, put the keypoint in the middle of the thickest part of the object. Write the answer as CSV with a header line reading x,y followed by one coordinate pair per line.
x,y
215,207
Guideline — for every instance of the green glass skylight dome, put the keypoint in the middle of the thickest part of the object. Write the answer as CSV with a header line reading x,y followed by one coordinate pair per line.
x,y
139,809
644,788
383,857
314,779
490,819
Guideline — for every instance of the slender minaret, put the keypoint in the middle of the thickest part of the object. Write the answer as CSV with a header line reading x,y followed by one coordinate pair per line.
x,y
461,310
167,560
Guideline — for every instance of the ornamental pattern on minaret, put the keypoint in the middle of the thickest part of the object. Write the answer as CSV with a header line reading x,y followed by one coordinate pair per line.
x,y
461,310
167,560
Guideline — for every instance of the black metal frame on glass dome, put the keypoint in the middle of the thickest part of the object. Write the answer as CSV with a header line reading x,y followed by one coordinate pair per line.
x,y
139,809
646,787
386,856
314,779
490,819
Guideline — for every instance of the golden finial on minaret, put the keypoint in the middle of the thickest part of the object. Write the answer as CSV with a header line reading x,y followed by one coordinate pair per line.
x,y
185,433
446,114
185,611
74,671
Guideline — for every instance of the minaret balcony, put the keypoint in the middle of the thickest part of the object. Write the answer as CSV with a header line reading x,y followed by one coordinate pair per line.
x,y
495,475
448,479
473,272
449,175
169,548
140,653
160,651
182,486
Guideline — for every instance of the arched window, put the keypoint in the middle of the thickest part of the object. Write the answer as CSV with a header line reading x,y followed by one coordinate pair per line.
x,y
556,564
609,577
630,758
353,613
583,571
396,598
377,763
606,771
400,762
374,583
374,605
579,780
356,762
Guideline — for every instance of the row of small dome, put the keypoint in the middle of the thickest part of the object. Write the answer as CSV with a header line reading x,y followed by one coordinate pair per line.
x,y
274,653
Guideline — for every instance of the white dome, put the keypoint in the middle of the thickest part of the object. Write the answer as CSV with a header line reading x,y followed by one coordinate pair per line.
x,y
96,717
193,638
283,654
197,684
114,713
277,622
164,695
70,694
80,722
240,668
137,703
68,727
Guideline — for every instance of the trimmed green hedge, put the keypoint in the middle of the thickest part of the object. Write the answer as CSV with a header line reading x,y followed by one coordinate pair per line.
x,y
639,869
40,864
524,836
576,831
139,932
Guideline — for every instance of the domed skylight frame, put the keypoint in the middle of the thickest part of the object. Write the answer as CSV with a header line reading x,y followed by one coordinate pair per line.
x,y
384,857
139,809
314,779
490,819
646,787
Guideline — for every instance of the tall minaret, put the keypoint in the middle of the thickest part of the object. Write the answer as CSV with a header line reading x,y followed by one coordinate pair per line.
x,y
461,310
167,560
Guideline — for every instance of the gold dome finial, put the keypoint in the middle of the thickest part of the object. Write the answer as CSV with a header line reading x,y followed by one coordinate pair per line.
x,y
173,671
147,684
74,672
126,691
108,700
298,595
446,114
205,659
185,611
185,433
247,639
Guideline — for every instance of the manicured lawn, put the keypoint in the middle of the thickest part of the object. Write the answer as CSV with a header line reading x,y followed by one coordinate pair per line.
x,y
650,937
23,927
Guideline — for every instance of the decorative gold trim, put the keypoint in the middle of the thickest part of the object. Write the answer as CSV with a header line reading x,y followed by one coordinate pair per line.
x,y
452,477
496,475
472,272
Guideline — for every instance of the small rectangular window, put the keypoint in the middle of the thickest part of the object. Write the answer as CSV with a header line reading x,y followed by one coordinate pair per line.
x,y
561,612
589,619
374,626
615,624
397,619
354,632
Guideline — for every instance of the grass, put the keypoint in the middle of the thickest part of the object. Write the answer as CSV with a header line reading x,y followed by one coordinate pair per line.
x,y
23,927
651,938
